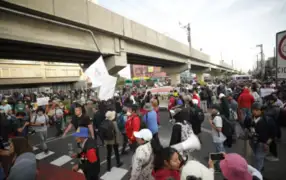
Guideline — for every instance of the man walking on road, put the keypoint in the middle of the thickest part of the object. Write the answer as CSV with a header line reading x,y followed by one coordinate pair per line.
x,y
89,157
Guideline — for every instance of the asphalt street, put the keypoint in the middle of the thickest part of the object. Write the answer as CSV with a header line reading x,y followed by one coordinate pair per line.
x,y
59,153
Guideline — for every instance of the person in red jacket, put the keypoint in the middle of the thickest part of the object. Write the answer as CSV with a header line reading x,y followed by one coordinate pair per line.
x,y
132,125
245,101
197,97
167,164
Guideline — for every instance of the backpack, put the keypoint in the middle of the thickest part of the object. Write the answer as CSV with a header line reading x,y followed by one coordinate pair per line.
x,y
197,114
186,130
232,115
121,122
46,119
227,126
107,130
200,114
143,125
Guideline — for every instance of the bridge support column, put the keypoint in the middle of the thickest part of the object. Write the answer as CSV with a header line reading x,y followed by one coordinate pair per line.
x,y
174,73
175,79
115,63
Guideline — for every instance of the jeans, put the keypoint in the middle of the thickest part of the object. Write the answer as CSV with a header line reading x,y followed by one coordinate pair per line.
x,y
58,124
43,136
259,155
273,148
109,153
245,113
219,147
125,142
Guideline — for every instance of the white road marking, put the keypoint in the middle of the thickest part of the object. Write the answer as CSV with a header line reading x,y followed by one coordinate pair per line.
x,y
61,160
114,174
42,155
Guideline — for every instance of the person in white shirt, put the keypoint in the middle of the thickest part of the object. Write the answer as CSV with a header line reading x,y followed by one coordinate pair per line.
x,y
5,106
216,125
40,124
58,118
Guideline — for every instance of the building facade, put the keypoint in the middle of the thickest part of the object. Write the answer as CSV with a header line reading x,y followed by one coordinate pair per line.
x,y
17,72
141,71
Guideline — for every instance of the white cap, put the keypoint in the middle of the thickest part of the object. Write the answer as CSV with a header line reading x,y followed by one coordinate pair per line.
x,y
145,134
221,95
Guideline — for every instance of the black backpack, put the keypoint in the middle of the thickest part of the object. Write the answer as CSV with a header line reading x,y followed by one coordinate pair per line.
x,y
107,130
227,126
143,125
200,114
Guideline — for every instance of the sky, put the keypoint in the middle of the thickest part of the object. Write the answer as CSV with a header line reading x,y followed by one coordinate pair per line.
x,y
224,29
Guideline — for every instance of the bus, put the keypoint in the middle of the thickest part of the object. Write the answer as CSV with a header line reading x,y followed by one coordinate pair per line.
x,y
241,77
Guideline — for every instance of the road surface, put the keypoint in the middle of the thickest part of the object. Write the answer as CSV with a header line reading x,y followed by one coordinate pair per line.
x,y
57,164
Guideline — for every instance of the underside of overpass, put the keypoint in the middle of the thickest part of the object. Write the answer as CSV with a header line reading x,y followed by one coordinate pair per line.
x,y
10,49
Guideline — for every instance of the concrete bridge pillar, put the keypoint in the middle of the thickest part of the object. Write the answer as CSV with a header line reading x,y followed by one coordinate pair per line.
x,y
175,79
115,63
174,73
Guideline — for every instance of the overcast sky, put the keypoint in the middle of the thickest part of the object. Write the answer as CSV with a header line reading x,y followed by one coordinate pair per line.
x,y
229,27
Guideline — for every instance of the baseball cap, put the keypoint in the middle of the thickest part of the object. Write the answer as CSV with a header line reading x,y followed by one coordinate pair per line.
x,y
145,134
235,167
257,106
81,132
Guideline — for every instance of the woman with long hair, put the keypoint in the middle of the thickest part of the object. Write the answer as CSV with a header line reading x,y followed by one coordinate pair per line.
x,y
167,164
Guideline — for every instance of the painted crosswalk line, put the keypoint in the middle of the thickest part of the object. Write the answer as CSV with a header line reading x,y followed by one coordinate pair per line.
x,y
43,155
61,160
114,174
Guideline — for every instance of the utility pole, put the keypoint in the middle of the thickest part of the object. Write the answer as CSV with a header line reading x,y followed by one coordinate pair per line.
x,y
188,29
257,62
262,60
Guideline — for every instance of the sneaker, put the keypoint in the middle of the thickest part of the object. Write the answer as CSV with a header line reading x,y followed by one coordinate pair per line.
x,y
46,151
119,164
271,158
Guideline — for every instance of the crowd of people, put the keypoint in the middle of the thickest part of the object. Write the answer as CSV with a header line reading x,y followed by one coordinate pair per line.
x,y
133,119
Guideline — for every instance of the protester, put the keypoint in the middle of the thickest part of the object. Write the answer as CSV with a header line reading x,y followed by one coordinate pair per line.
x,y
235,167
114,140
142,161
24,160
79,119
150,119
89,155
262,132
132,125
245,100
121,121
167,164
217,125
40,123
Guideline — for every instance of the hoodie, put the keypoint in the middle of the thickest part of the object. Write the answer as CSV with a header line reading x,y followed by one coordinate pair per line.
x,y
245,100
24,168
164,174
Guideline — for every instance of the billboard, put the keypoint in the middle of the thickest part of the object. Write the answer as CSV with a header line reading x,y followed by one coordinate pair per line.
x,y
281,55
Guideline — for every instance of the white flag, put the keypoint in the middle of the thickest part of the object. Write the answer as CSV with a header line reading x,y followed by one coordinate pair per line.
x,y
97,72
107,89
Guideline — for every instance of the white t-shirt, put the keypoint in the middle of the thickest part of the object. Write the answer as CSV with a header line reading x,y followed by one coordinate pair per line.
x,y
218,137
42,120
6,108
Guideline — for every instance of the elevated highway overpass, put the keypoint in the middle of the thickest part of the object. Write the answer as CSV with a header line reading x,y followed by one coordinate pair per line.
x,y
80,31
